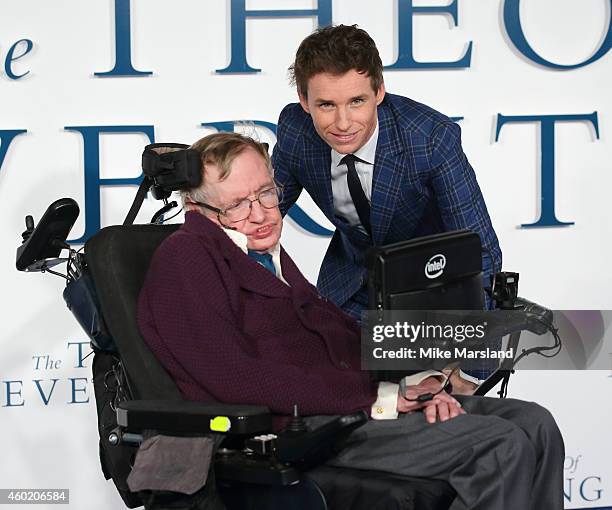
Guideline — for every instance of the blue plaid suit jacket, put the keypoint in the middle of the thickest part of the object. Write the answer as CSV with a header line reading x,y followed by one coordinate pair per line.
x,y
422,184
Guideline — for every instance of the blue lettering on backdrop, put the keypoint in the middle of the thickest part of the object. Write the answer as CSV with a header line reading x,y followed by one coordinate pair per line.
x,y
547,166
296,213
592,484
239,14
405,12
11,57
596,492
123,43
45,398
10,393
6,137
80,356
512,22
75,390
93,182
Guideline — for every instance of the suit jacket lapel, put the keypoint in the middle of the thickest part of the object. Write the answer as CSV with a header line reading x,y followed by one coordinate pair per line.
x,y
300,286
318,174
387,178
254,277
261,281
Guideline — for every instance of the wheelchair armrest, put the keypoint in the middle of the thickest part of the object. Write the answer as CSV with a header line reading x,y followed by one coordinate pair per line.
x,y
185,417
266,459
312,445
278,459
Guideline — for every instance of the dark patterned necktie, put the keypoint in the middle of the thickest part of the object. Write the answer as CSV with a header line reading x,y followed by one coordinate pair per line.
x,y
357,194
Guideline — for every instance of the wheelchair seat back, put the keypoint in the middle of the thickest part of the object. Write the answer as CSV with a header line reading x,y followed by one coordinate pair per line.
x,y
118,258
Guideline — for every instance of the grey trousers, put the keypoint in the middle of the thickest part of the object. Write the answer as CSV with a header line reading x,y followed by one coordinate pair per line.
x,y
503,454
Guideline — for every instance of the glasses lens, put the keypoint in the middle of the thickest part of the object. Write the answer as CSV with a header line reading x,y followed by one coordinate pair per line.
x,y
270,198
238,212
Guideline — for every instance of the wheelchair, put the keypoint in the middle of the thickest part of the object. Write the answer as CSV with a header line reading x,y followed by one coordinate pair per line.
x,y
136,399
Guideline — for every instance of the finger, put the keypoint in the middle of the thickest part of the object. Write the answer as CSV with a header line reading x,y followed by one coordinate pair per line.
x,y
407,409
430,413
405,406
443,411
445,397
454,406
460,407
455,409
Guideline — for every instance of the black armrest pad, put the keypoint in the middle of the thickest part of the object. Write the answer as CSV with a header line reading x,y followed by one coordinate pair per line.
x,y
184,416
312,446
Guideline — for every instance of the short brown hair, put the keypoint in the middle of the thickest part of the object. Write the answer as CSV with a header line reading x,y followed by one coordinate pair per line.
x,y
220,149
336,50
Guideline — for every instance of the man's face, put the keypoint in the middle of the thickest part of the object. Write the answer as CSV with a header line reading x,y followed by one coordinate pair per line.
x,y
248,177
343,109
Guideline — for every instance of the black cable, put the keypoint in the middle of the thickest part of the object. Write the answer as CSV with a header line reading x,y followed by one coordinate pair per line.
x,y
541,350
47,270
426,397
174,215
164,220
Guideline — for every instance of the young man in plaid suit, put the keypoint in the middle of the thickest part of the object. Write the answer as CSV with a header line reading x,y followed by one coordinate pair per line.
x,y
381,167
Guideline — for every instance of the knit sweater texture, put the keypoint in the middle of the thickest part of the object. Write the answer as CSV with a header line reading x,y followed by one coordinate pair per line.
x,y
227,330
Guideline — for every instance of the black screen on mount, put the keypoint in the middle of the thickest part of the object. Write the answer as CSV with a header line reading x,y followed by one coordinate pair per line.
x,y
437,272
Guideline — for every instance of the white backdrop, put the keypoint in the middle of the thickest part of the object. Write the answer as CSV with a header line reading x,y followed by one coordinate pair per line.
x,y
48,435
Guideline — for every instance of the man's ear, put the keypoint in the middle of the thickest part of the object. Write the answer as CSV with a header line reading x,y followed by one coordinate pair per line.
x,y
304,102
380,95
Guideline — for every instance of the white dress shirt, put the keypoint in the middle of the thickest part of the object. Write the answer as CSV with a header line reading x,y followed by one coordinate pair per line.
x,y
343,203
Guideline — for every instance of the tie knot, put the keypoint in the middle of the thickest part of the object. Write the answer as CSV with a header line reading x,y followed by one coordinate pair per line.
x,y
260,257
265,259
349,160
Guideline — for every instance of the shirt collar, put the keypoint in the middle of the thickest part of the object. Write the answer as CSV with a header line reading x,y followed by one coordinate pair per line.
x,y
366,153
239,238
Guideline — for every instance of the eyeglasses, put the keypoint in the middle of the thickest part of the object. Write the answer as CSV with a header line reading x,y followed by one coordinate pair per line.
x,y
268,198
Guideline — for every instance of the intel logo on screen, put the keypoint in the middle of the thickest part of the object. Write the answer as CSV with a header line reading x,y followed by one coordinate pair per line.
x,y
435,266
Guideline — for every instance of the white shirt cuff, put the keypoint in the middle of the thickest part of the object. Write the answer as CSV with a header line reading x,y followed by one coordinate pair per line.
x,y
414,379
385,407
470,378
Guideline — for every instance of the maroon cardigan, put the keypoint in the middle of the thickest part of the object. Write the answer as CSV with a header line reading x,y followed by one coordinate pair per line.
x,y
226,329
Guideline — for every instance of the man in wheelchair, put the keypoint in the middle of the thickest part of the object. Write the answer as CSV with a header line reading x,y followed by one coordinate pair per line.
x,y
231,318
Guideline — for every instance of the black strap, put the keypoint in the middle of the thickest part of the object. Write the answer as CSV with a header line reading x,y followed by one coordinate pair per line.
x,y
357,194
138,200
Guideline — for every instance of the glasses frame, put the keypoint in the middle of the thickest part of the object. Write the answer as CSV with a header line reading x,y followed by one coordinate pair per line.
x,y
222,213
